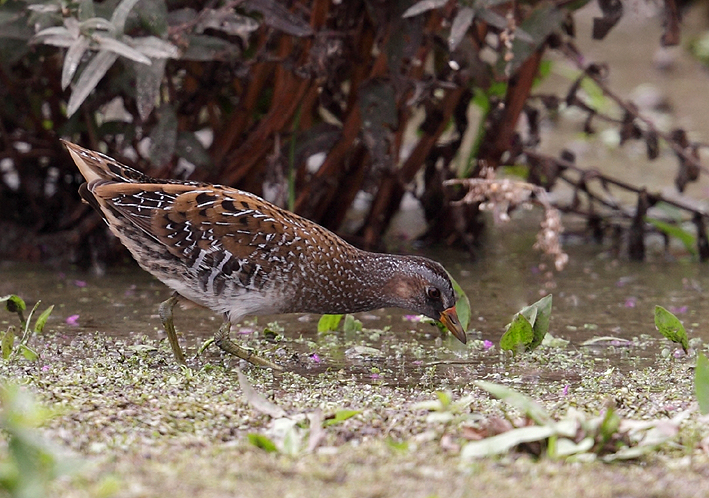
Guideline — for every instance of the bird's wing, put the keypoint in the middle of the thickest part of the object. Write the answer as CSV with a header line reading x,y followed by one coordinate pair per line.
x,y
199,225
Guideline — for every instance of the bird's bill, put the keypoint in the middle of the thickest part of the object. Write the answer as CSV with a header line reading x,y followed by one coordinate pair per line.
x,y
449,318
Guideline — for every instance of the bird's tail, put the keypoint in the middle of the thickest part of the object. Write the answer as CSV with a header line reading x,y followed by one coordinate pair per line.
x,y
96,167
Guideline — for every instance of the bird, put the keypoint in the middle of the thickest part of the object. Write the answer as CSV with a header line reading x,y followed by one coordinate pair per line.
x,y
237,254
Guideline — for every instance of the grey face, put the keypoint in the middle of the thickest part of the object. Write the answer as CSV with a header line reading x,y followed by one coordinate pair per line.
x,y
428,286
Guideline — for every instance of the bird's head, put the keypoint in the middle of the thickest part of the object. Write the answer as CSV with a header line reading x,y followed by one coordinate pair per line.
x,y
424,286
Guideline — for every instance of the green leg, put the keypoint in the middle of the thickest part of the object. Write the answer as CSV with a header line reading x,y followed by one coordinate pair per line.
x,y
166,317
221,338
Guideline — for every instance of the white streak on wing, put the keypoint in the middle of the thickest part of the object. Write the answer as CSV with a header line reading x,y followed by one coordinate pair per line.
x,y
198,261
239,213
216,271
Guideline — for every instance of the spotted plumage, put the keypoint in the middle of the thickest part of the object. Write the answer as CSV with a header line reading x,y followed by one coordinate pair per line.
x,y
238,255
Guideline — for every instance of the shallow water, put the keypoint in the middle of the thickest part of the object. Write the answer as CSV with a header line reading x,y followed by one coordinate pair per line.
x,y
596,296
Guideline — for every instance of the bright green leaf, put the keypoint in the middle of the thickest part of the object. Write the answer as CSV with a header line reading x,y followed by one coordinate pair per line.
x,y
445,397
261,441
341,416
8,342
397,446
329,323
462,306
519,333
701,383
29,353
670,326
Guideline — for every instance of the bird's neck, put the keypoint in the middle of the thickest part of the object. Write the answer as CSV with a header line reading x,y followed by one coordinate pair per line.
x,y
360,281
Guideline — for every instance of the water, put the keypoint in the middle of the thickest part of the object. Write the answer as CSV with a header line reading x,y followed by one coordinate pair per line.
x,y
595,296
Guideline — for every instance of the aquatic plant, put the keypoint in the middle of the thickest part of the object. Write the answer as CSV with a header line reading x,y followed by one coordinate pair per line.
x,y
15,304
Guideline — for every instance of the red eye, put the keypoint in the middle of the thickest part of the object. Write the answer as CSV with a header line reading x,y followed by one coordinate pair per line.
x,y
433,293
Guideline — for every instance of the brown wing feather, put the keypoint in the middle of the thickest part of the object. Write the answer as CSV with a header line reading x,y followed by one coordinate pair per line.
x,y
186,218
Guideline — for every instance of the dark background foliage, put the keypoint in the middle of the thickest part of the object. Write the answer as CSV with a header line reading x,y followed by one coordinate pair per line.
x,y
248,93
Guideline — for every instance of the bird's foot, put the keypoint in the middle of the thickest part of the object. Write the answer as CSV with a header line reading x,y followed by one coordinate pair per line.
x,y
222,339
165,312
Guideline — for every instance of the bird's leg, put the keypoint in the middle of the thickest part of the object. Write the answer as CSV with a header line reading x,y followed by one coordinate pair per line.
x,y
221,339
165,311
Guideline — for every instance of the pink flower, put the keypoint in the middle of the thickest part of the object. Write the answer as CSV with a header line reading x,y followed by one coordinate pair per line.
x,y
631,302
315,357
487,344
45,368
80,283
72,320
565,392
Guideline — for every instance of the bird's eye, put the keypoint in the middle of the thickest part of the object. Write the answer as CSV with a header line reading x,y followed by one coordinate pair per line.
x,y
433,292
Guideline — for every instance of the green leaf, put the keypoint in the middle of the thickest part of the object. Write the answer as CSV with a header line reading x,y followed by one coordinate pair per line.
x,y
462,306
8,342
445,397
401,446
329,323
541,324
701,383
528,327
351,324
519,333
26,324
341,416
14,303
609,426
261,441
689,240
29,353
42,320
520,401
670,326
